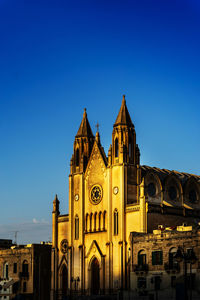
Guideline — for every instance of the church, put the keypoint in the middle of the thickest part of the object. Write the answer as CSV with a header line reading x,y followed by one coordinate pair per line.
x,y
111,196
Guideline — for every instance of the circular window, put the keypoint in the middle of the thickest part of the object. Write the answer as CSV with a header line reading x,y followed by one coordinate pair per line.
x,y
115,190
192,196
151,189
64,246
172,192
96,194
76,197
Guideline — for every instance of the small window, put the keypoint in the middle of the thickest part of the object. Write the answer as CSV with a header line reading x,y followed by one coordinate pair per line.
x,y
172,260
91,216
5,271
86,222
95,221
151,189
115,222
141,258
77,157
172,192
157,258
15,268
100,216
104,220
116,148
130,148
76,228
25,267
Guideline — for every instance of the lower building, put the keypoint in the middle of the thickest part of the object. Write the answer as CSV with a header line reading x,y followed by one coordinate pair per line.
x,y
165,263
25,271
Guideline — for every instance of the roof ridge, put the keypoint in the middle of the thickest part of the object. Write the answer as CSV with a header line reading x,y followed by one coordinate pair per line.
x,y
167,170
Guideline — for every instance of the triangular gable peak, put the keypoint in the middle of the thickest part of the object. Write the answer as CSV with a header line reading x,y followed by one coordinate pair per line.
x,y
63,261
97,157
94,248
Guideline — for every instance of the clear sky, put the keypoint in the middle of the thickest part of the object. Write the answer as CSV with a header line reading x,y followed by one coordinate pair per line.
x,y
57,57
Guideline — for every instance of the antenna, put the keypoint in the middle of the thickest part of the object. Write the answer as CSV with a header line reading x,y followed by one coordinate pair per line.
x,y
15,241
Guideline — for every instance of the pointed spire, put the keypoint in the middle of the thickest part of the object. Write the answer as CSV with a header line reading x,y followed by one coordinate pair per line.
x,y
56,198
84,129
123,117
56,203
97,137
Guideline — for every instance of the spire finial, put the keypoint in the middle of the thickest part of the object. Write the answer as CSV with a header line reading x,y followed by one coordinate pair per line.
x,y
123,99
84,113
56,198
97,126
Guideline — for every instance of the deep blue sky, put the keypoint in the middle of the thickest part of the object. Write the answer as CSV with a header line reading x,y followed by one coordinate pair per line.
x,y
57,57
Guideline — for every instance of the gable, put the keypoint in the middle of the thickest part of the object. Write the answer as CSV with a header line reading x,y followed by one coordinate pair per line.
x,y
94,248
96,167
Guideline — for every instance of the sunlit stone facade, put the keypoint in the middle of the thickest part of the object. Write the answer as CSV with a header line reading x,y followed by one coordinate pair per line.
x,y
110,197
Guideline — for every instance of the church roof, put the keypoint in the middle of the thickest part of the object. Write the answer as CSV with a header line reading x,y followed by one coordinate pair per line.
x,y
84,129
163,173
123,117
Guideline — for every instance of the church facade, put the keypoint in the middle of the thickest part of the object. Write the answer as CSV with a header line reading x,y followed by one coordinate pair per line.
x,y
110,197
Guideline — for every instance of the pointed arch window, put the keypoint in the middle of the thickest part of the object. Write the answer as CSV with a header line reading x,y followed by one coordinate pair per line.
x,y
25,268
116,147
5,270
104,220
76,227
100,215
141,258
77,157
95,221
130,147
115,222
91,215
86,222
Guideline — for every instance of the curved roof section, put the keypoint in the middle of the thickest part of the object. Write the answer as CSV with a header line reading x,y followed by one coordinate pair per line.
x,y
164,173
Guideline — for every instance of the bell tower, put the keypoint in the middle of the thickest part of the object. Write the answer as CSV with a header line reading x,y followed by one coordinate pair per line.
x,y
83,144
124,148
125,152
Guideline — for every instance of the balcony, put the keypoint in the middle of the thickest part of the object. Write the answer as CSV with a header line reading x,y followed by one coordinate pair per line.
x,y
144,268
172,267
24,275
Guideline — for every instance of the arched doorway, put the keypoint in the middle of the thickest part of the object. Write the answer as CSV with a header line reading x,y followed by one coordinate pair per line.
x,y
95,277
64,280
